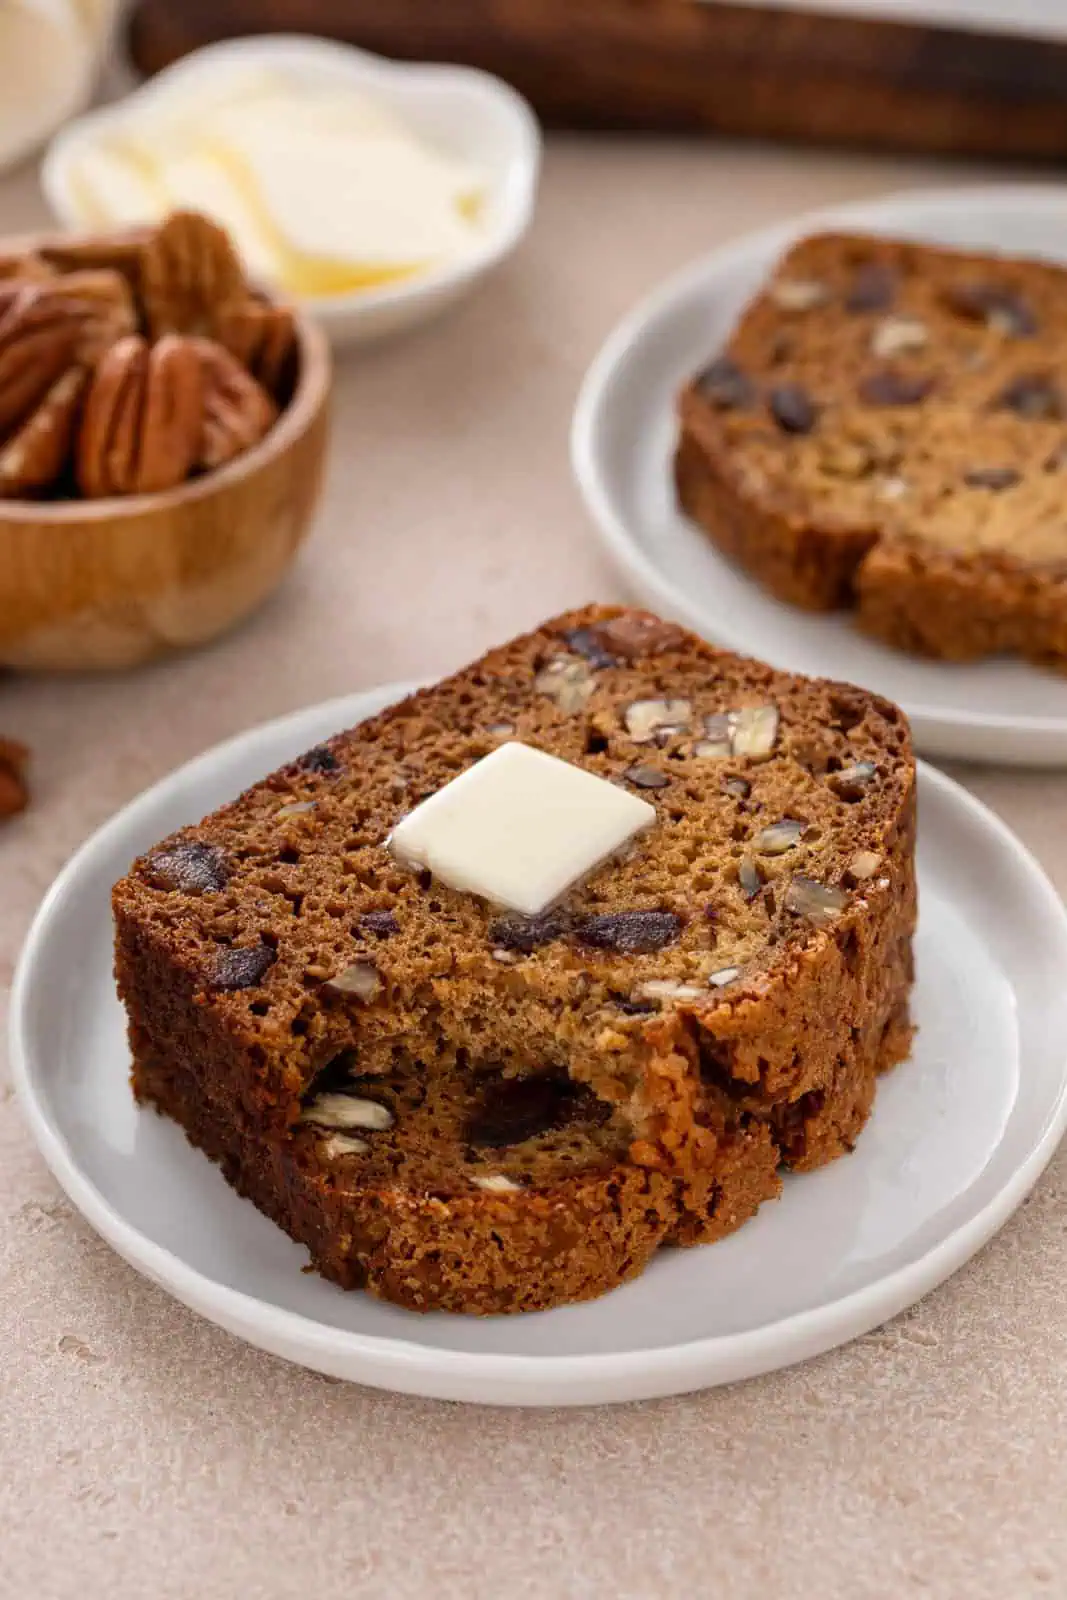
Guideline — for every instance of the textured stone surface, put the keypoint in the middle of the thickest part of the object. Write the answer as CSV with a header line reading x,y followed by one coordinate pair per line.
x,y
143,1452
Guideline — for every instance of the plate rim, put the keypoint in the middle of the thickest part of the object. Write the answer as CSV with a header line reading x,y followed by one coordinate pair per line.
x,y
624,549
397,1363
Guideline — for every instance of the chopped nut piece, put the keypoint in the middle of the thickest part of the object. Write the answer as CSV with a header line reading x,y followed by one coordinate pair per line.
x,y
498,1183
568,681
749,879
851,783
819,902
799,294
343,1144
668,989
865,864
361,979
347,1111
895,335
725,975
296,808
719,741
649,719
643,777
754,730
779,837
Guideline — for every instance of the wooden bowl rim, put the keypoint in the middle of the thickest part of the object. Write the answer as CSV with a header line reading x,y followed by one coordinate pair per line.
x,y
310,394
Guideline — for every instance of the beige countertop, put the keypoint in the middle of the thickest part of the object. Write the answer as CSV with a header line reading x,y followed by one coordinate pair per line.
x,y
143,1452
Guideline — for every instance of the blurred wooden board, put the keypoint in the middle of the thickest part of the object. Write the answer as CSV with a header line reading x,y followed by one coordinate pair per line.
x,y
683,65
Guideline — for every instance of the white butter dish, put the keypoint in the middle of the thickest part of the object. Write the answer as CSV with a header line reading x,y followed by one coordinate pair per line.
x,y
465,115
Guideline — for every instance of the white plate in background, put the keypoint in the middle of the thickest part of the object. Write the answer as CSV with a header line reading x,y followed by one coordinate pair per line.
x,y
459,110
623,439
959,1135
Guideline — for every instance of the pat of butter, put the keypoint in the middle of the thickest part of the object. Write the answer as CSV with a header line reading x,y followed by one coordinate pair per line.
x,y
519,827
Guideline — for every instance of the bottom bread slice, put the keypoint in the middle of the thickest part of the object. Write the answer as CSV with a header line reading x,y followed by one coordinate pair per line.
x,y
485,1194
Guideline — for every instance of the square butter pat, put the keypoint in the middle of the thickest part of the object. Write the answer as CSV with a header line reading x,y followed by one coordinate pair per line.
x,y
519,827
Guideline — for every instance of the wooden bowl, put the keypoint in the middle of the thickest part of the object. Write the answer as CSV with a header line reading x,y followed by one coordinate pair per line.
x,y
92,584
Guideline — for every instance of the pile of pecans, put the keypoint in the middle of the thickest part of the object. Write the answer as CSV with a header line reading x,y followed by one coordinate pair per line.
x,y
130,362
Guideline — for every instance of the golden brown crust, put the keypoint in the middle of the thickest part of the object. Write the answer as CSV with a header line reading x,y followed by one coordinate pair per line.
x,y
887,430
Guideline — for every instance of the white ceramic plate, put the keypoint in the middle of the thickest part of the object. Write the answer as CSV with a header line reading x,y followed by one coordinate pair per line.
x,y
467,113
959,1135
623,438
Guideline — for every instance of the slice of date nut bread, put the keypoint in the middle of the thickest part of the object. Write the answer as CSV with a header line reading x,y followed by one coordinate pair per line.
x,y
749,952
468,1191
887,430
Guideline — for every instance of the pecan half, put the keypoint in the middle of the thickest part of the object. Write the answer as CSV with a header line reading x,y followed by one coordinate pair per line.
x,y
121,251
262,337
102,303
37,452
141,429
38,343
189,272
238,411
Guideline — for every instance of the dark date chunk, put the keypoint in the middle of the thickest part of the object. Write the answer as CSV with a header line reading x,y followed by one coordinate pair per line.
x,y
589,643
191,868
243,967
513,1110
382,923
525,934
727,386
992,478
630,933
873,288
1031,396
890,388
634,634
994,304
792,408
319,759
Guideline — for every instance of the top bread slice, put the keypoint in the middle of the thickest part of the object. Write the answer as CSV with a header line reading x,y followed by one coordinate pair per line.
x,y
754,943
887,430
